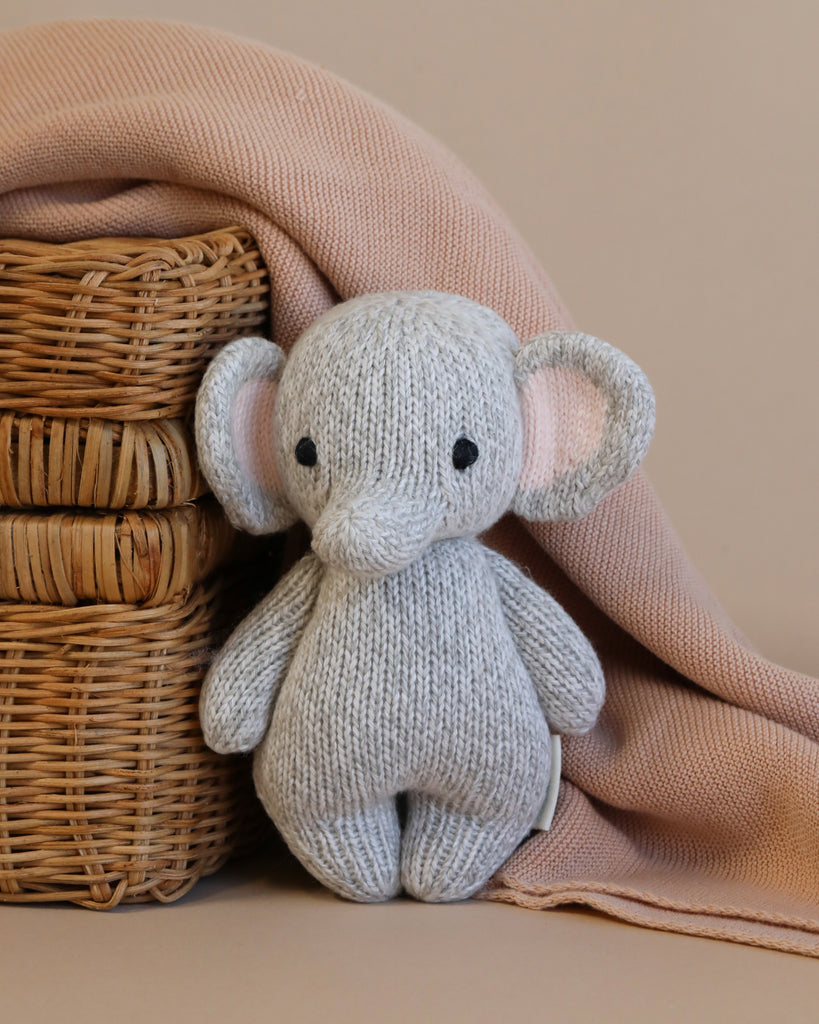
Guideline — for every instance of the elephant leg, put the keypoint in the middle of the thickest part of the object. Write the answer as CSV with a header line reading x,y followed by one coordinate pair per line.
x,y
356,854
447,855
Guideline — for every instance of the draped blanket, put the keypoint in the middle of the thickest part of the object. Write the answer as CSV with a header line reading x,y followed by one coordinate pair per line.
x,y
693,805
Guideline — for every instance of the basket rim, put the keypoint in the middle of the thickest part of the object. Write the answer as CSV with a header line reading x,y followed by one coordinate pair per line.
x,y
127,245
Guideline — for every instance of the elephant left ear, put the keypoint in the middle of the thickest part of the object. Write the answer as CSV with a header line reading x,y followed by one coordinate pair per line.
x,y
588,417
236,434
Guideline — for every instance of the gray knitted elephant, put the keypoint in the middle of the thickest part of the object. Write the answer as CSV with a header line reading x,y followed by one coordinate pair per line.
x,y
401,655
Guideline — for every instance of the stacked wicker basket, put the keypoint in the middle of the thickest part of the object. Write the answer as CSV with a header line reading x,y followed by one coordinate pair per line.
x,y
110,605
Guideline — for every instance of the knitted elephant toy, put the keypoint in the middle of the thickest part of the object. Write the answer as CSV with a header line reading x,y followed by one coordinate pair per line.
x,y
400,655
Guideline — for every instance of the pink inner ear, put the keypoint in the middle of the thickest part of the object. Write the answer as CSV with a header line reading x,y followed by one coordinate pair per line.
x,y
563,419
251,424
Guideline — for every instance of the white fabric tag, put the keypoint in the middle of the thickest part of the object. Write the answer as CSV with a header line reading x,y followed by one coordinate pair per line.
x,y
543,822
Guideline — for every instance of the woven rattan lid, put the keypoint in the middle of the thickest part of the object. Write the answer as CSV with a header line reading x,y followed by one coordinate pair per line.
x,y
122,328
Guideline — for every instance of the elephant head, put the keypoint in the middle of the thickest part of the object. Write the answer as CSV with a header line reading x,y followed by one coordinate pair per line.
x,y
402,418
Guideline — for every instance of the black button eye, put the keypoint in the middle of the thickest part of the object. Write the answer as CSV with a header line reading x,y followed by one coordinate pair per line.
x,y
306,452
464,453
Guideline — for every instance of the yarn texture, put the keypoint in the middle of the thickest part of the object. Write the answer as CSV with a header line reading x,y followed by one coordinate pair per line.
x,y
401,656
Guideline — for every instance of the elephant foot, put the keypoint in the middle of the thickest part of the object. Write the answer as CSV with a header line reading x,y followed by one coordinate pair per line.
x,y
447,855
356,855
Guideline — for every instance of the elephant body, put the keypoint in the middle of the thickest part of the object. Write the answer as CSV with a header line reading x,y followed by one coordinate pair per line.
x,y
407,683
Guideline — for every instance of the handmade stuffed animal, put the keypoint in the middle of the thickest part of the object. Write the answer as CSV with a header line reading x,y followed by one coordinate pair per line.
x,y
402,656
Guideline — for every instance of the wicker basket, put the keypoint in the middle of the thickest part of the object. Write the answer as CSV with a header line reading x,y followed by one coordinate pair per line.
x,y
107,791
108,619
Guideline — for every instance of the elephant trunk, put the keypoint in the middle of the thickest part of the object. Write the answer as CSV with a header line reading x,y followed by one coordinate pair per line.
x,y
374,534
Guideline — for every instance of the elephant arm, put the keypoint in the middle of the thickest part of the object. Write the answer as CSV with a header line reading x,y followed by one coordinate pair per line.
x,y
562,664
238,691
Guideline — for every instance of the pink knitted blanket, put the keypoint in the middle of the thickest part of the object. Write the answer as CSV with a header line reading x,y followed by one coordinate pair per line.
x,y
692,806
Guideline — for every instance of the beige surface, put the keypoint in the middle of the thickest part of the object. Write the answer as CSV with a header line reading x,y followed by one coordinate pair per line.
x,y
682,170
259,945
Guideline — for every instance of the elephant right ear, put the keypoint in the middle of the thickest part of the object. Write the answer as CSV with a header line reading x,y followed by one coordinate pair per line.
x,y
588,416
235,434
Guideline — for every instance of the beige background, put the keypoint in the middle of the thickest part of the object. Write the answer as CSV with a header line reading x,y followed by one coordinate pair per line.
x,y
662,159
